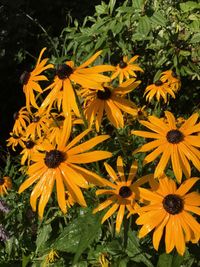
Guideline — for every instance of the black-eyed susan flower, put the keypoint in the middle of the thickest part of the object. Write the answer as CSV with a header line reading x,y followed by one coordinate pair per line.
x,y
111,101
21,120
39,124
170,208
141,114
178,144
126,69
158,89
14,140
29,146
172,79
59,162
67,75
30,80
5,183
123,192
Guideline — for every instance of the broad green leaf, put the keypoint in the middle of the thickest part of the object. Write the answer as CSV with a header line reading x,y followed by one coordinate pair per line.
x,y
158,19
189,6
170,260
144,26
101,9
134,250
43,235
86,226
195,38
90,230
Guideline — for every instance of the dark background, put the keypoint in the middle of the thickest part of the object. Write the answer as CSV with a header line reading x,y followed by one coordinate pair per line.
x,y
21,41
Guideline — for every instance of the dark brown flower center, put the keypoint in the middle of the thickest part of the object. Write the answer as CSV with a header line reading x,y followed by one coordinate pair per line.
x,y
158,83
1,181
63,71
29,144
53,158
104,95
122,64
16,115
36,119
173,204
125,192
24,77
174,136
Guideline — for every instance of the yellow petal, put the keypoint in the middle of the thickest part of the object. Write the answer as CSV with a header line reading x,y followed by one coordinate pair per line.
x,y
186,185
120,216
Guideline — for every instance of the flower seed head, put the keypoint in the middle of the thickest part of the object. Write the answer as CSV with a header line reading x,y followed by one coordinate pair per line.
x,y
63,71
53,158
104,95
175,136
125,192
173,204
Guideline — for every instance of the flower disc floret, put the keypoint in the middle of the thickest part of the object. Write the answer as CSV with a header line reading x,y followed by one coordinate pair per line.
x,y
158,83
29,144
24,78
53,158
125,192
104,95
64,71
173,204
174,136
122,64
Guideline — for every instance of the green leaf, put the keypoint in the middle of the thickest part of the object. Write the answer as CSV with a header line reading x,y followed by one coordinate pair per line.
x,y
184,53
43,235
189,6
101,9
90,229
195,38
144,26
158,19
78,234
111,6
138,4
170,260
134,251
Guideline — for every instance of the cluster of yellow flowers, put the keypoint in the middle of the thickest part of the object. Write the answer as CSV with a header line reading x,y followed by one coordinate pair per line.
x,y
82,95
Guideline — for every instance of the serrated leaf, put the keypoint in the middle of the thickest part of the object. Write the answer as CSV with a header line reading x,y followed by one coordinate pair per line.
x,y
144,26
158,19
170,260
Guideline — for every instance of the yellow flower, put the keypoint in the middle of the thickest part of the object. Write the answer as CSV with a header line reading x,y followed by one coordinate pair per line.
x,y
22,118
29,147
171,78
112,101
14,140
30,80
59,162
69,199
51,257
5,183
66,75
123,192
169,208
142,114
126,69
39,125
177,144
158,89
